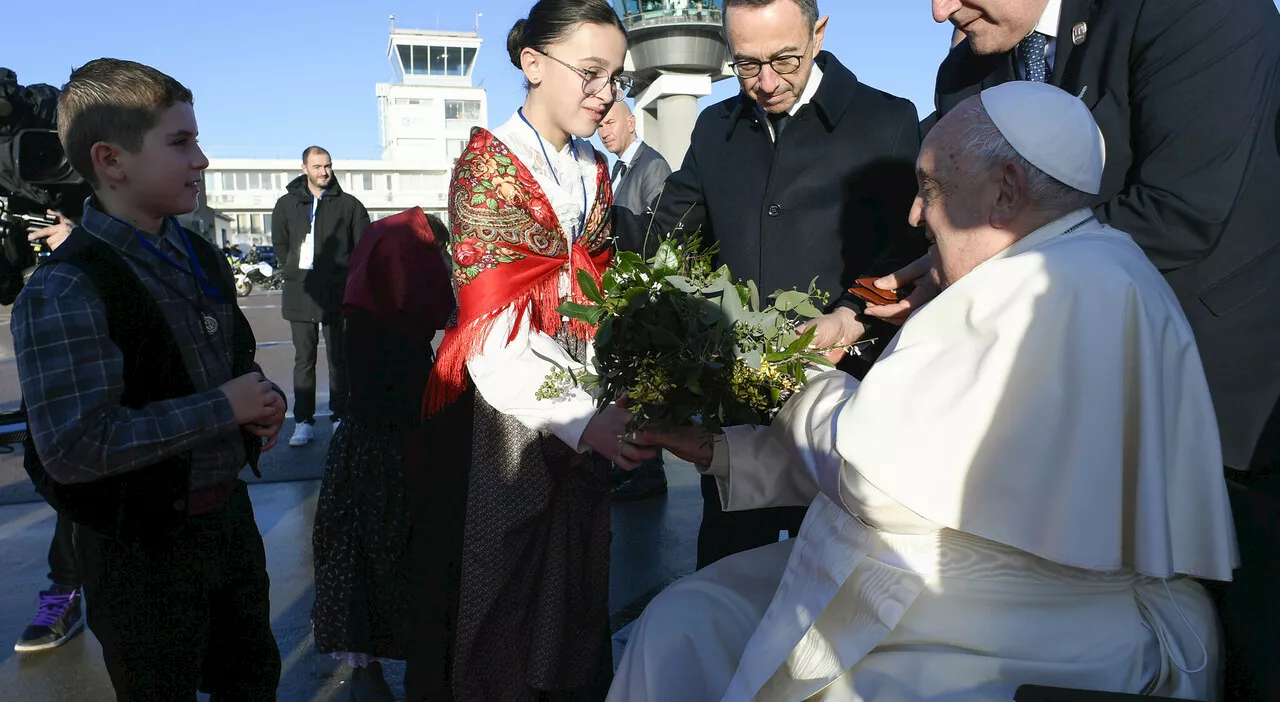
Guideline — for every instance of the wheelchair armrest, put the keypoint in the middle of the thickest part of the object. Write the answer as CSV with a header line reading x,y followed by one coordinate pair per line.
x,y
1040,693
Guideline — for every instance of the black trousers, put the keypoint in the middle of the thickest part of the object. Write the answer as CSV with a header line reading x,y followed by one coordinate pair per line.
x,y
184,611
63,569
306,341
726,533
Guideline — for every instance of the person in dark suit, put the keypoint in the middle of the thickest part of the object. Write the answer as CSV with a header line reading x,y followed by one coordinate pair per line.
x,y
806,173
1185,94
637,177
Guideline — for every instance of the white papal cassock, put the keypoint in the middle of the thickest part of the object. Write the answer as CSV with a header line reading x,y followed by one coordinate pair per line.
x,y
1014,495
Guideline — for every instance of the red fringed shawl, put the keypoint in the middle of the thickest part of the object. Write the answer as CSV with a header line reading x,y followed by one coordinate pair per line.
x,y
509,249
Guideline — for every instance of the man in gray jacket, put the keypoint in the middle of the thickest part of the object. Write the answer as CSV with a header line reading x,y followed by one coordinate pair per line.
x,y
637,177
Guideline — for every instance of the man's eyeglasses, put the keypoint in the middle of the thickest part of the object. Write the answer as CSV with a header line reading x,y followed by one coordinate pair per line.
x,y
782,65
594,79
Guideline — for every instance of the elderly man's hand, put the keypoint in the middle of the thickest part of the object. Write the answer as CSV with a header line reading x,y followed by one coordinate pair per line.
x,y
835,332
924,273
692,443
53,236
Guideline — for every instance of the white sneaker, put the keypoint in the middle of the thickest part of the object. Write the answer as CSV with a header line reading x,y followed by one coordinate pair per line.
x,y
302,434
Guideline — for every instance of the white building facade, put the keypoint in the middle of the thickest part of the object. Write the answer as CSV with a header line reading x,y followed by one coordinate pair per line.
x,y
426,115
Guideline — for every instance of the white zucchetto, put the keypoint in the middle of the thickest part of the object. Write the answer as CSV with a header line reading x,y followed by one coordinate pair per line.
x,y
1050,128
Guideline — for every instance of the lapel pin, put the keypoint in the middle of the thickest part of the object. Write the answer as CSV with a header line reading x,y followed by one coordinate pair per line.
x,y
1078,33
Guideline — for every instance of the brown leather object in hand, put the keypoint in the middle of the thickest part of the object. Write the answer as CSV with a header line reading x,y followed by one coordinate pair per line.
x,y
866,289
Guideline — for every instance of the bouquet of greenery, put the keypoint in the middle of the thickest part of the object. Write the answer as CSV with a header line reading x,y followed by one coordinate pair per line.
x,y
680,341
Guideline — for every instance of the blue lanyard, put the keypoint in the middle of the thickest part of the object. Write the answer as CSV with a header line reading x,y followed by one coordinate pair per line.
x,y
206,286
573,148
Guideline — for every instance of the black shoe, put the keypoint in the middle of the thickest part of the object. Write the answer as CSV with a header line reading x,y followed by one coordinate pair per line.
x,y
618,476
369,685
56,622
640,487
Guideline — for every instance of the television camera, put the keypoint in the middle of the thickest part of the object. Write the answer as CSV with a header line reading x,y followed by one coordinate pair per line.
x,y
35,177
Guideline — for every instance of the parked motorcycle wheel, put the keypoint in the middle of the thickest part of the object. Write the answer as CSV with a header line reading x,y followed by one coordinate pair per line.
x,y
243,288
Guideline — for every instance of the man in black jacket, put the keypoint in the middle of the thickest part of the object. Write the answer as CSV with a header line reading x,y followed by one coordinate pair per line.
x,y
807,172
1185,93
314,228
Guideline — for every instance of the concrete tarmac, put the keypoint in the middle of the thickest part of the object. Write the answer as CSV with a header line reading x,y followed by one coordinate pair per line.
x,y
654,543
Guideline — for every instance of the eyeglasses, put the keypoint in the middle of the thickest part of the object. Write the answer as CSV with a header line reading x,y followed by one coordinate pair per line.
x,y
782,65
594,79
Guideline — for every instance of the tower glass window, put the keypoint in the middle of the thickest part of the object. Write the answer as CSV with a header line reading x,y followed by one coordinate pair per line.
x,y
462,109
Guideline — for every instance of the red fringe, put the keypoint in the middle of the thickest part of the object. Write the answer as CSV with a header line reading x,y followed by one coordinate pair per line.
x,y
449,374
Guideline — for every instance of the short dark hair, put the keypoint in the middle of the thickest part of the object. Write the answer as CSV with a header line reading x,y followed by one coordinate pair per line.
x,y
314,150
809,8
551,21
114,101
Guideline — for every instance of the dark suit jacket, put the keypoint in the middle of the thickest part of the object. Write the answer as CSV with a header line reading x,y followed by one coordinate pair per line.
x,y
830,200
643,179
1185,92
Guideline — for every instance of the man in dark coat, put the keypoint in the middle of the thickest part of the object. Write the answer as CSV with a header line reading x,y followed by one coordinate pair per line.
x,y
807,172
1185,93
314,228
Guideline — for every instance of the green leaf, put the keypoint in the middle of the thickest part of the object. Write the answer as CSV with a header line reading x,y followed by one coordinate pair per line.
x,y
574,310
802,343
807,310
818,360
512,171
478,198
755,295
589,288
666,261
682,284
492,203
486,183
789,300
503,160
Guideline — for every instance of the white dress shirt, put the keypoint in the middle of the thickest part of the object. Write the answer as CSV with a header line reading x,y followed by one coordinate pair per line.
x,y
626,158
810,89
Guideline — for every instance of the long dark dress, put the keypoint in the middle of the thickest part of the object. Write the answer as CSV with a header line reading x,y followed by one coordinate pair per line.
x,y
397,295
362,528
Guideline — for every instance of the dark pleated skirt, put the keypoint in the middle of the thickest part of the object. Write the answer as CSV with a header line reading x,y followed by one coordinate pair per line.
x,y
511,543
361,542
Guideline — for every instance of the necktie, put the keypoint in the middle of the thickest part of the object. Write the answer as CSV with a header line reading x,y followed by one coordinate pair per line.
x,y
618,167
779,121
1031,52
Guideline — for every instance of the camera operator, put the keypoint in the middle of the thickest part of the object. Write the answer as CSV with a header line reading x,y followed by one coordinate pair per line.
x,y
36,188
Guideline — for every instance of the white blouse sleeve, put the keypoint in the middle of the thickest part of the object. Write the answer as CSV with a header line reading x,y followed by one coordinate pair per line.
x,y
508,377
789,462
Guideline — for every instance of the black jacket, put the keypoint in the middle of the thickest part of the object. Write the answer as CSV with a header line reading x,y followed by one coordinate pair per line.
x,y
315,295
1185,92
830,200
149,502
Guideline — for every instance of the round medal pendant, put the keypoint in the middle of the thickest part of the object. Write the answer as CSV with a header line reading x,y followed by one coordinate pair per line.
x,y
209,323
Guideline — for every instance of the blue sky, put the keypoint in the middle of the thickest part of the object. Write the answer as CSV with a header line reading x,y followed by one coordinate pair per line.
x,y
270,77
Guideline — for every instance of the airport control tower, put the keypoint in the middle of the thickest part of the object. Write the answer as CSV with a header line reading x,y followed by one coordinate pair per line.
x,y
677,52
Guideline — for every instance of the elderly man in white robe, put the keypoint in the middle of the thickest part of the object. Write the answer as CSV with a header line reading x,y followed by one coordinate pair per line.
x,y
1021,490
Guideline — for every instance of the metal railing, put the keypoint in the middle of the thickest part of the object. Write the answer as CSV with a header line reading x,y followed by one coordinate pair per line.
x,y
668,16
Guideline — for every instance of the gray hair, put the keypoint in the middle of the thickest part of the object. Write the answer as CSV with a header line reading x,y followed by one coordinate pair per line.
x,y
982,146
809,8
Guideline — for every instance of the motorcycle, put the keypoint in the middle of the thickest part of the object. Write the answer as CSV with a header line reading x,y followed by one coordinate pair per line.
x,y
251,275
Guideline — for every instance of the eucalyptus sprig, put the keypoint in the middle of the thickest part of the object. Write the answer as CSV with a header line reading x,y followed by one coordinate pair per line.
x,y
681,341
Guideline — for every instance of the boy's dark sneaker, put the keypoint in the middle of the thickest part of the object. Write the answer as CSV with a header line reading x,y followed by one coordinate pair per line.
x,y
58,619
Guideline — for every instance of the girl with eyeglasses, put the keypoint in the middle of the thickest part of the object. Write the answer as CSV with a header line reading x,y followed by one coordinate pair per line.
x,y
512,537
